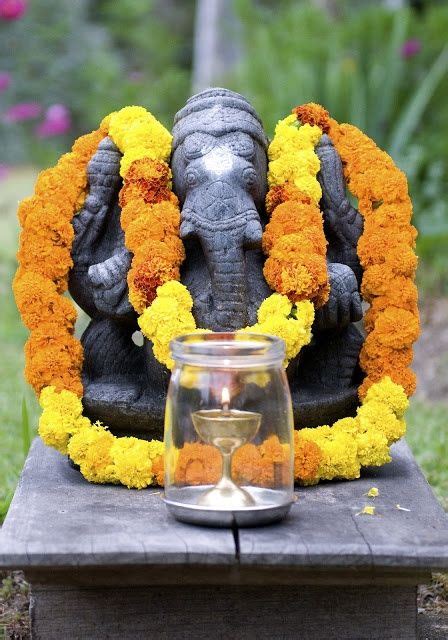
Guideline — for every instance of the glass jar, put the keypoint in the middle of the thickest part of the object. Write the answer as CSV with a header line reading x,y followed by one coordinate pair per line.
x,y
229,454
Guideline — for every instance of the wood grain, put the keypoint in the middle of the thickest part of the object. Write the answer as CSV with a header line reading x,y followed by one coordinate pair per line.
x,y
323,528
57,519
245,613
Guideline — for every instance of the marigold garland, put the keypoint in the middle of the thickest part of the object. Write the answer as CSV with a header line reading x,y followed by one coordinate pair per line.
x,y
386,253
294,239
295,244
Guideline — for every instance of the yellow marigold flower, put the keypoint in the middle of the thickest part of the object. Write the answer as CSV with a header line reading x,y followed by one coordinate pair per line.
x,y
389,393
165,319
65,402
90,448
305,311
310,186
347,425
379,416
177,291
290,136
368,510
120,121
290,166
156,448
83,439
55,430
295,331
132,461
339,453
373,492
373,449
274,305
139,135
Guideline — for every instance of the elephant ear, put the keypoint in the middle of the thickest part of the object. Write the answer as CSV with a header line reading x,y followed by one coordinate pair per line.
x,y
101,260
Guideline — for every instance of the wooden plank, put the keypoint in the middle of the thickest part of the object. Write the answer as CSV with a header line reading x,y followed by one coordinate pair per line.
x,y
172,613
324,529
59,519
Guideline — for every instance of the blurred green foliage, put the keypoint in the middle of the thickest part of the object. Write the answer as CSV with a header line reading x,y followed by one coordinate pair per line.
x,y
295,53
94,57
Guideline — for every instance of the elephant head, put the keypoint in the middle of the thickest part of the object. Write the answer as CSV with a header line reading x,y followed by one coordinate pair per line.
x,y
219,167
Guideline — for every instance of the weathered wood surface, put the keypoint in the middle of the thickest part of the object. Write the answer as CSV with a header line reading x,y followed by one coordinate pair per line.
x,y
243,613
59,520
325,530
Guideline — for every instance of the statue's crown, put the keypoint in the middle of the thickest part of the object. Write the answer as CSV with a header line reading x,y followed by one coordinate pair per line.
x,y
217,112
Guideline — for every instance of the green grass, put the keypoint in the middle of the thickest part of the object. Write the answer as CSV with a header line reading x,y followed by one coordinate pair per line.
x,y
427,424
428,436
13,389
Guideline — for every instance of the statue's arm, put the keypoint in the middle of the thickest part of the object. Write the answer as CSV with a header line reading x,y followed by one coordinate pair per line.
x,y
101,261
342,222
343,226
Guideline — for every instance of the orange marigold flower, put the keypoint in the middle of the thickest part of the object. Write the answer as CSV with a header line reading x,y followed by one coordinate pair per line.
x,y
46,222
85,146
53,357
158,469
147,179
295,218
148,275
396,215
307,458
282,193
396,327
300,275
38,302
376,358
374,246
313,114
386,252
198,464
247,465
26,206
41,256
134,209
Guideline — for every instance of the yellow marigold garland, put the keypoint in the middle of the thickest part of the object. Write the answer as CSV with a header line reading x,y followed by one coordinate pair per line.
x,y
295,244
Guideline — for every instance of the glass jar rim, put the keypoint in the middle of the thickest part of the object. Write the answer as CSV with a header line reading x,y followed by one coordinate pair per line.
x,y
228,349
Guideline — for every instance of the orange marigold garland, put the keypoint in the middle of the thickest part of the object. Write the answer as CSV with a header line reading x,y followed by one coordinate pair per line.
x,y
53,354
386,252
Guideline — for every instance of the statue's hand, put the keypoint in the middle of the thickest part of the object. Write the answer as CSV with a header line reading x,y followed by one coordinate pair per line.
x,y
344,304
88,225
343,224
342,221
110,290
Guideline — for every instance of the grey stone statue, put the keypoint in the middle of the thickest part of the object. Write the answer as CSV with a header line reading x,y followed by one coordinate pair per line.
x,y
219,166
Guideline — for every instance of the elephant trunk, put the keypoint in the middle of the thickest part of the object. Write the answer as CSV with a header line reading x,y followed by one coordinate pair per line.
x,y
225,258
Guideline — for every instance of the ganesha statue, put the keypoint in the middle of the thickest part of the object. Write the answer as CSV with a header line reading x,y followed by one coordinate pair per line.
x,y
219,165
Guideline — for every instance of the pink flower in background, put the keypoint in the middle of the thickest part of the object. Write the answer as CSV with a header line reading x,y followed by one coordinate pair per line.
x,y
410,48
5,80
22,111
12,9
4,171
57,122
